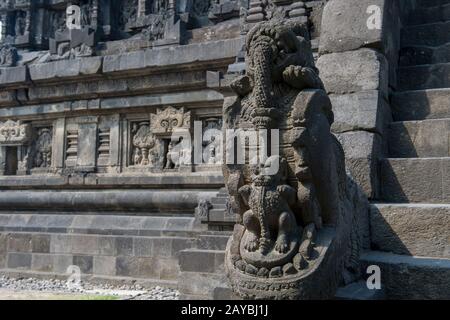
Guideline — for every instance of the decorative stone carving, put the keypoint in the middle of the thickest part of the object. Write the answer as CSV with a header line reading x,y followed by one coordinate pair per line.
x,y
43,149
212,151
144,143
14,133
8,56
170,119
299,211
203,208
156,28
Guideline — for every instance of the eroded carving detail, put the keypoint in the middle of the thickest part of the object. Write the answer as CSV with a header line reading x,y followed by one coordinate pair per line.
x,y
14,132
170,119
43,149
8,56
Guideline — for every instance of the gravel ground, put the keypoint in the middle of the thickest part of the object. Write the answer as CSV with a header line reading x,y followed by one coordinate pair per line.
x,y
54,286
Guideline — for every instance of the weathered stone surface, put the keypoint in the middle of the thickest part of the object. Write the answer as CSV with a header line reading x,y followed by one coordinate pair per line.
x,y
362,151
206,261
416,180
417,55
420,105
422,139
104,265
365,110
13,75
19,260
65,68
429,14
435,34
40,243
345,25
225,49
19,242
353,71
85,263
411,229
406,277
42,262
424,77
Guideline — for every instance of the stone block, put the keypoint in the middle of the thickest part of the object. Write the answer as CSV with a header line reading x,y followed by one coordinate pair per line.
x,y
434,34
411,229
143,247
353,71
415,180
162,247
148,268
169,269
13,75
104,265
406,277
85,263
19,260
362,151
420,105
61,263
65,68
179,244
61,243
423,139
19,242
3,249
124,246
85,244
424,77
40,243
197,260
365,110
42,262
345,25
127,266
107,246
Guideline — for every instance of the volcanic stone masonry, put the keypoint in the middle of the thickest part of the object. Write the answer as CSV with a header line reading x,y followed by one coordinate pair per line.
x,y
100,102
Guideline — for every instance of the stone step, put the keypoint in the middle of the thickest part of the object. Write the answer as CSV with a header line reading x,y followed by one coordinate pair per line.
x,y
421,104
408,277
418,55
433,34
411,229
430,14
99,224
419,139
431,3
359,291
416,180
424,77
212,242
105,255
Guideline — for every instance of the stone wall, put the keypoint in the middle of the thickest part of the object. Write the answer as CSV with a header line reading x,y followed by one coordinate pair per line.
x,y
359,47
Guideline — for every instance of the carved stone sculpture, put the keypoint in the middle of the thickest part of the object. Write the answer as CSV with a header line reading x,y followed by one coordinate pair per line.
x,y
300,213
14,133
8,56
43,149
170,119
144,143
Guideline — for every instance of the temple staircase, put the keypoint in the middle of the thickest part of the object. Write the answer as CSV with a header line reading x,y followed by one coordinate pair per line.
x,y
410,228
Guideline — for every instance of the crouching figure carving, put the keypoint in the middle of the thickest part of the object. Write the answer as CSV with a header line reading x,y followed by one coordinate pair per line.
x,y
303,223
